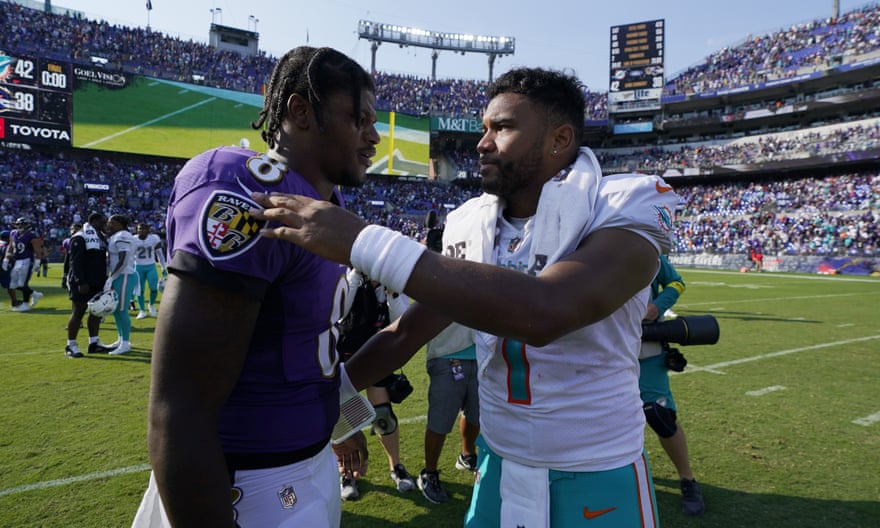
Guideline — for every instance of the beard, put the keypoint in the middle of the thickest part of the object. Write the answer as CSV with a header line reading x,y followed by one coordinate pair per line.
x,y
513,175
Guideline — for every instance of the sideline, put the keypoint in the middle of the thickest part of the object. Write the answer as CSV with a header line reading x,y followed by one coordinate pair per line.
x,y
781,275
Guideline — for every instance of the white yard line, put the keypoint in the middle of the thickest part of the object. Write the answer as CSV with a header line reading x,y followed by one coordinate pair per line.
x,y
124,471
765,390
773,299
70,480
868,420
716,367
150,122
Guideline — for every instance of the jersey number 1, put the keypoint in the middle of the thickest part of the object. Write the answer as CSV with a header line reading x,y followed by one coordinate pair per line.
x,y
518,390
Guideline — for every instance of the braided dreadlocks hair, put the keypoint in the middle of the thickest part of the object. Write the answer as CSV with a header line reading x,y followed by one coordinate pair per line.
x,y
312,73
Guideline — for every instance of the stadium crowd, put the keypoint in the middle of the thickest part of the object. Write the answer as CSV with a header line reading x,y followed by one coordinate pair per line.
x,y
834,215
55,190
844,139
817,45
814,46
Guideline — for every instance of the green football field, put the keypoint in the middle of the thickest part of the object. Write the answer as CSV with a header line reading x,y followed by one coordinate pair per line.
x,y
152,117
149,116
782,415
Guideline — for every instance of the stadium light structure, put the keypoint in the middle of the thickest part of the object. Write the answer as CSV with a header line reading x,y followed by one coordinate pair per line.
x,y
379,32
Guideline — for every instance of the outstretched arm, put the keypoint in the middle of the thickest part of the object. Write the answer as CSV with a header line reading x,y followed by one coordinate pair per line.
x,y
608,268
390,348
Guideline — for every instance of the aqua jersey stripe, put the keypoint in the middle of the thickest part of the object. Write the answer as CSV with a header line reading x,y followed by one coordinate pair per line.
x,y
514,353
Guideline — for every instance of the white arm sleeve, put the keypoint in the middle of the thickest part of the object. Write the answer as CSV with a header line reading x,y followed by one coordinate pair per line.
x,y
355,411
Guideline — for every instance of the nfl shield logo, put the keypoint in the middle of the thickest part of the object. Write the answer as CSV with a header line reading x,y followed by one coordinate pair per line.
x,y
287,497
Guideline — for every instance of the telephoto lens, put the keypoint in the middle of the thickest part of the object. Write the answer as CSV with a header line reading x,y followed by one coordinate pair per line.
x,y
685,330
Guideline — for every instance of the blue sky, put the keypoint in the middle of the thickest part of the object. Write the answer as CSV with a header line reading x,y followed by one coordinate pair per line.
x,y
559,34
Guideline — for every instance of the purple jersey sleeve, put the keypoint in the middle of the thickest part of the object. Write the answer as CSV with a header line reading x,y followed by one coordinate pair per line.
x,y
22,243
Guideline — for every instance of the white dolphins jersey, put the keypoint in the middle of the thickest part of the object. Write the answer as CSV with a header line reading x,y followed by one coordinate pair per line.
x,y
121,242
572,405
145,250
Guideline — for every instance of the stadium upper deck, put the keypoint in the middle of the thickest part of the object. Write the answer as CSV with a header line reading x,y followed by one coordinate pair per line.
x,y
802,53
719,113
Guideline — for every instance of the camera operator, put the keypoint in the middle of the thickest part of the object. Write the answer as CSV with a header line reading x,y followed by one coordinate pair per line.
x,y
655,360
371,311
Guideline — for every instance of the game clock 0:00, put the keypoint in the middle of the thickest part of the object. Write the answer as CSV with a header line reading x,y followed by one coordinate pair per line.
x,y
35,100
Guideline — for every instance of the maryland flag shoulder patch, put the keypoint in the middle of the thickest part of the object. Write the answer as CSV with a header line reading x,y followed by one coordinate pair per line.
x,y
226,228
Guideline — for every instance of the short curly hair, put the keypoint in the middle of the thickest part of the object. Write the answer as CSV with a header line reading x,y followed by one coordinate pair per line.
x,y
122,219
559,93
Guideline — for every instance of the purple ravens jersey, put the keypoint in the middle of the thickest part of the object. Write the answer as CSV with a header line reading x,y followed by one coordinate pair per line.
x,y
22,244
287,395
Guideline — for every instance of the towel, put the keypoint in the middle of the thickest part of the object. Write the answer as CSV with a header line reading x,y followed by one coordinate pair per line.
x,y
573,203
564,211
525,496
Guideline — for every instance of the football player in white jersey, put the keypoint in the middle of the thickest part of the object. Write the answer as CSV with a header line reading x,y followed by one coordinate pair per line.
x,y
122,277
551,266
148,251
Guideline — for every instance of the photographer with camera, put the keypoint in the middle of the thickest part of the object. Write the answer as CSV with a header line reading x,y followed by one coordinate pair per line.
x,y
370,312
655,360
453,392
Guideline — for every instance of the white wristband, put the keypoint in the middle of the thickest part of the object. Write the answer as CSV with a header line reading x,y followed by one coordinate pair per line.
x,y
385,256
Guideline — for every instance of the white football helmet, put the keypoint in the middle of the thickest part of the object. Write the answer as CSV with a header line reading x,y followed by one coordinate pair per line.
x,y
104,303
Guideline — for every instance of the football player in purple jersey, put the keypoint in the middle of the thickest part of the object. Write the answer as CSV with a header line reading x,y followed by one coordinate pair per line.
x,y
25,247
245,373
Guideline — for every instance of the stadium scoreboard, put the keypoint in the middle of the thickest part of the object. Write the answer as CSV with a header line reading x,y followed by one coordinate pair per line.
x,y
636,65
36,97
